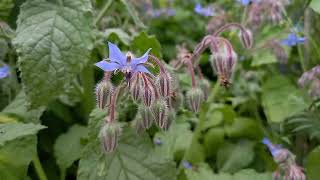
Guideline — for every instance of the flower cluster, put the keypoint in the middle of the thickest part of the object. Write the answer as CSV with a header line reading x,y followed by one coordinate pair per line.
x,y
153,93
266,10
311,79
287,167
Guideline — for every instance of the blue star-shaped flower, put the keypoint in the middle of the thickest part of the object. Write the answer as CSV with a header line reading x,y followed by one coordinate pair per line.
x,y
274,149
186,164
293,40
204,11
4,71
125,63
244,2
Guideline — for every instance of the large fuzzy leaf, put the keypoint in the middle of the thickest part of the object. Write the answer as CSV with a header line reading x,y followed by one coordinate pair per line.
x,y
53,42
281,99
134,158
312,166
11,131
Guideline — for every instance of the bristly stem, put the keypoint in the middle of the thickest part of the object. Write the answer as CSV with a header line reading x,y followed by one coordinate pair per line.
x,y
102,12
157,61
191,71
38,167
227,26
112,109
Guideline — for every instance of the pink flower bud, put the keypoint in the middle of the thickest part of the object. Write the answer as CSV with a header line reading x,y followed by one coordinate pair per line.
x,y
195,97
159,111
109,135
136,87
103,93
165,84
295,172
246,38
205,86
149,92
146,117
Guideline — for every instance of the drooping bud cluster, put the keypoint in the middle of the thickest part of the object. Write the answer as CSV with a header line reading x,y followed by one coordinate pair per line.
x,y
151,92
266,10
287,167
311,80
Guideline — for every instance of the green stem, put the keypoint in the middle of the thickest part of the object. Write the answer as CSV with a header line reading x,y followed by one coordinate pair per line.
x,y
63,174
102,12
197,132
38,167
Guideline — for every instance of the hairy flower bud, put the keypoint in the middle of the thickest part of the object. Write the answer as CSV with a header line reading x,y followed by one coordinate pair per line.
x,y
195,97
295,172
165,84
146,117
103,93
136,87
148,96
109,135
205,86
159,111
246,38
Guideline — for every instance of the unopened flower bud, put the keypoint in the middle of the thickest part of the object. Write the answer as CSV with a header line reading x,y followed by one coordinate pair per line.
x,y
171,118
109,135
165,84
146,117
295,172
205,86
159,111
148,96
103,93
246,38
195,97
136,87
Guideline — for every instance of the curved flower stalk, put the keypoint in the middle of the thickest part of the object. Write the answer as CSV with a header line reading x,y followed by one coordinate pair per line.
x,y
152,92
287,167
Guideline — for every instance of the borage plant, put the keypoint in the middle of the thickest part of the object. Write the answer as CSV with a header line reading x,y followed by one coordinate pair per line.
x,y
152,92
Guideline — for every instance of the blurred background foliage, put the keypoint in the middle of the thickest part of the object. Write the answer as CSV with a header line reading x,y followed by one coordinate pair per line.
x,y
49,124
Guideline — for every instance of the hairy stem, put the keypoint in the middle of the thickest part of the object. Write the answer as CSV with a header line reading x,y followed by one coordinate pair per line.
x,y
102,12
227,26
38,167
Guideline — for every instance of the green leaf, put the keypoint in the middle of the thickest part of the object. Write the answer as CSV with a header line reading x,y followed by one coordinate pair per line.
x,y
312,166
54,44
5,8
11,131
204,172
315,5
245,127
18,107
174,141
281,99
233,157
213,140
134,159
122,35
68,147
142,42
262,58
15,156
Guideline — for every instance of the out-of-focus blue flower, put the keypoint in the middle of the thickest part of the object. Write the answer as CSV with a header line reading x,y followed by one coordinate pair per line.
x,y
244,2
165,11
186,164
125,63
204,11
274,149
293,40
157,141
4,71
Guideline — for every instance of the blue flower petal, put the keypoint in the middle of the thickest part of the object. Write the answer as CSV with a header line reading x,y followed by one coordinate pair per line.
x,y
106,66
4,71
141,68
141,59
115,54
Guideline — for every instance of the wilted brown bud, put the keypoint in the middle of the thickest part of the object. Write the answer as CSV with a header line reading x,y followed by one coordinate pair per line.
x,y
195,97
159,111
103,93
109,135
